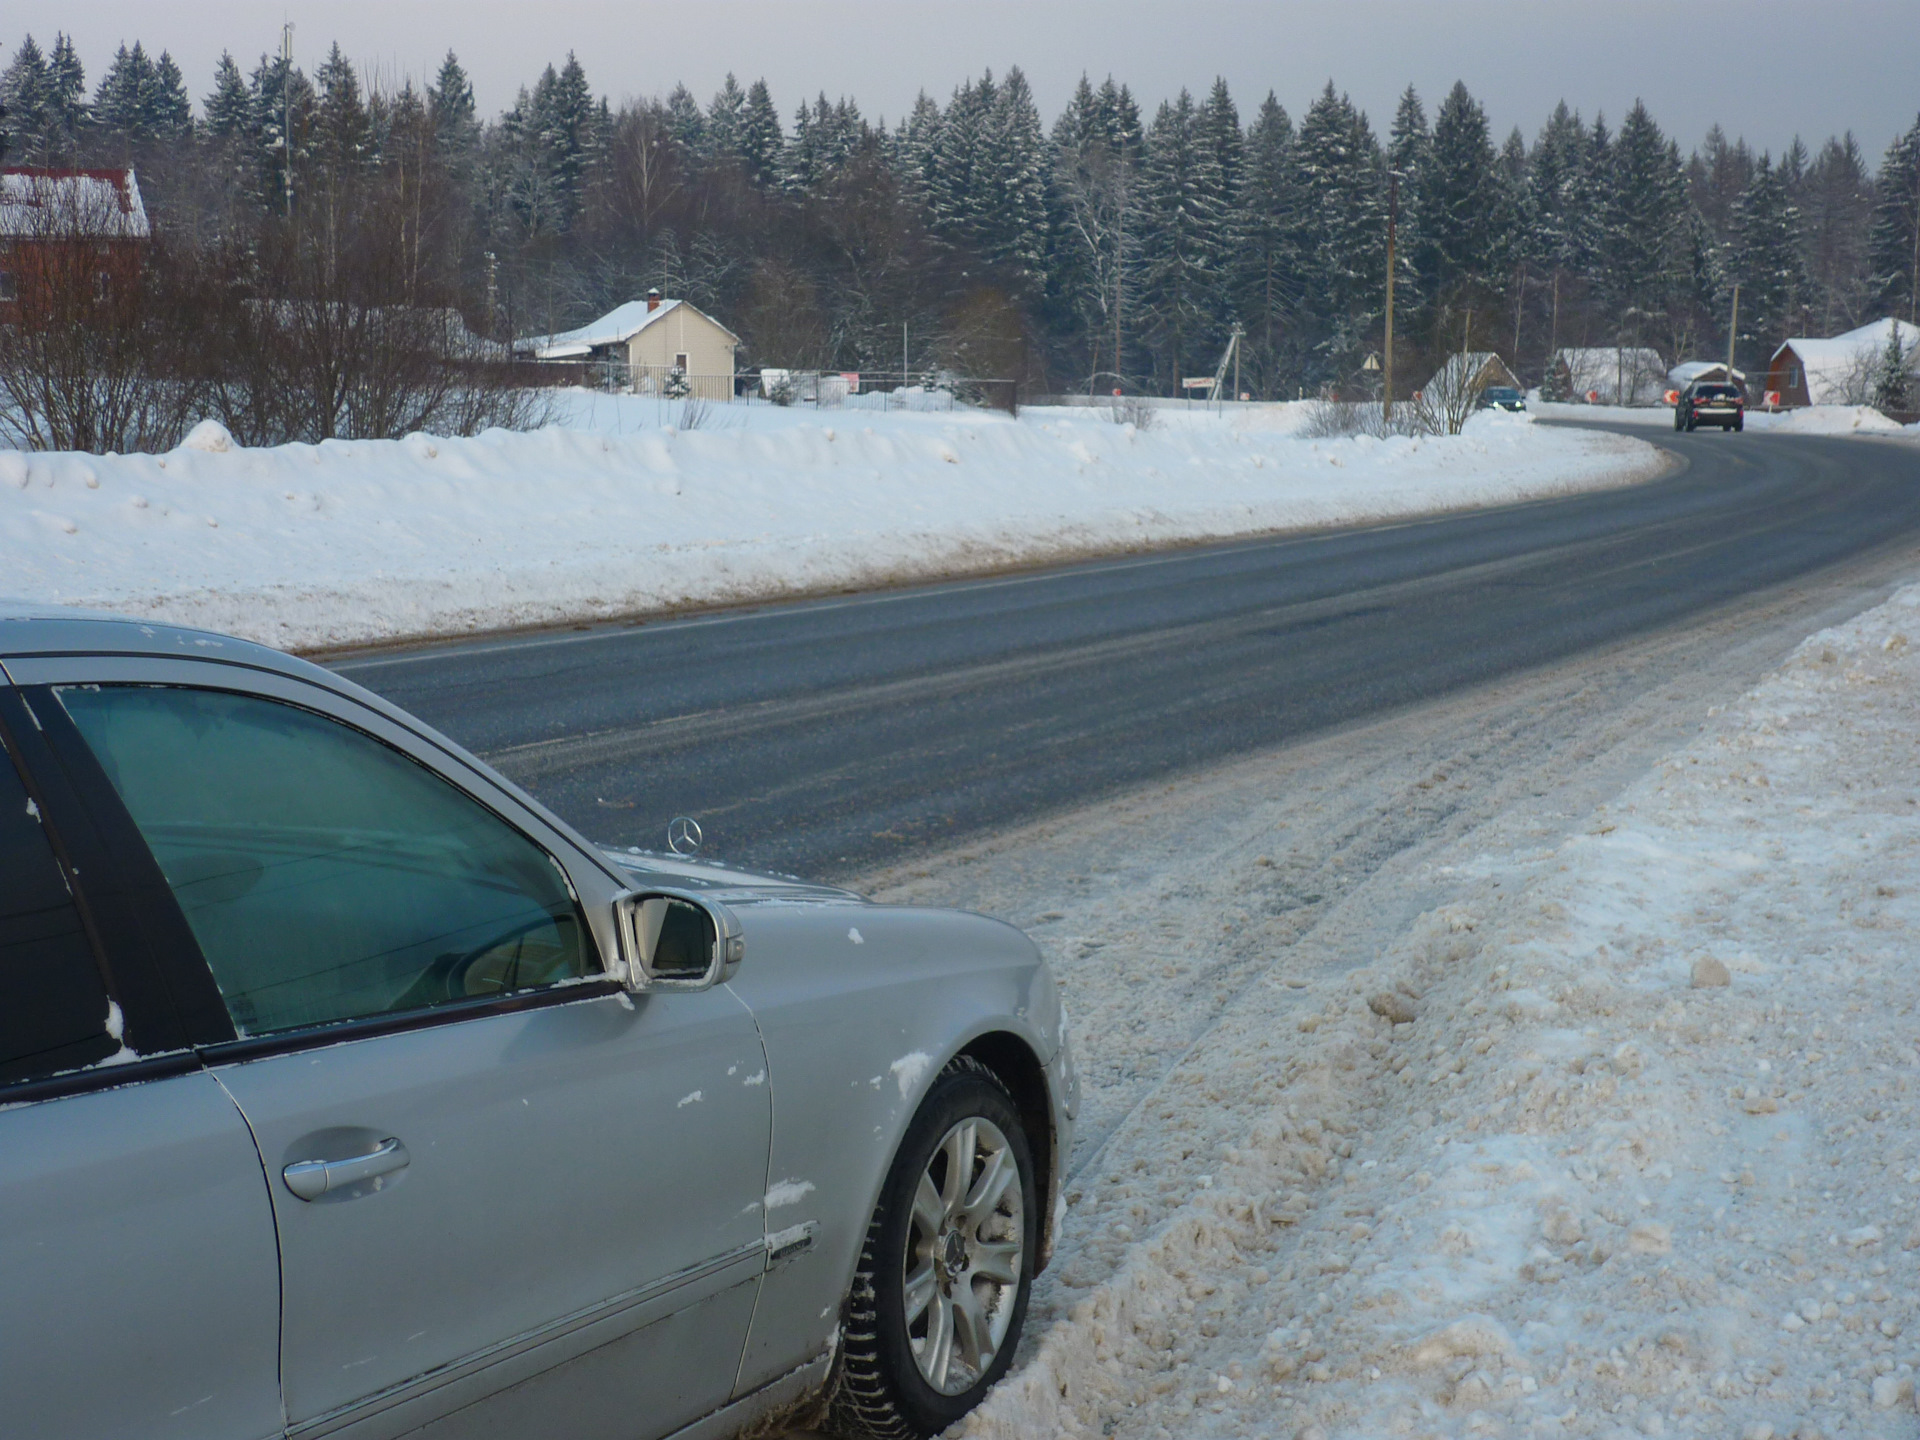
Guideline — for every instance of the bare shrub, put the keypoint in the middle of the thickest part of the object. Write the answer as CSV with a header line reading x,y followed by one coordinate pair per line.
x,y
1339,419
1131,410
86,353
694,413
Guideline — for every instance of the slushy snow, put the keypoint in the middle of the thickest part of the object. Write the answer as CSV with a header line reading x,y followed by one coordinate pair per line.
x,y
1623,1141
346,542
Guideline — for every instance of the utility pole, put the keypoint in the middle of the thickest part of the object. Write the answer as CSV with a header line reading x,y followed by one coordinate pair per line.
x,y
1553,335
493,292
1733,332
1519,308
286,111
903,358
1913,280
1386,360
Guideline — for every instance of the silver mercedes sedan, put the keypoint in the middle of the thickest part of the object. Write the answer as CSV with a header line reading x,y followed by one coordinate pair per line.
x,y
346,1091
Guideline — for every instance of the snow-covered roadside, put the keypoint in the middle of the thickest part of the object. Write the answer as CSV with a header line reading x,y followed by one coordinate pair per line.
x,y
1621,1140
1810,420
357,541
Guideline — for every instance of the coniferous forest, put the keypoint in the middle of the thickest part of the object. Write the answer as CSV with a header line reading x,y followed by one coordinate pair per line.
x,y
1110,248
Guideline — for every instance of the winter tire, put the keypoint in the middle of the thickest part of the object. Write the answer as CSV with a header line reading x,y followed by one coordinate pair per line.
x,y
941,1292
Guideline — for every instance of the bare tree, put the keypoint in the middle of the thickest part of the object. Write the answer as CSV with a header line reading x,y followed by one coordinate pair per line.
x,y
85,340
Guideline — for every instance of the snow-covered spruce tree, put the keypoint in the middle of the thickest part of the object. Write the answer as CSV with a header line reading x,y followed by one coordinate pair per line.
x,y
281,96
761,141
1012,226
572,132
67,112
1342,236
687,122
957,188
1763,258
1643,232
726,113
1410,153
26,89
1718,174
226,105
800,161
119,102
140,100
1181,244
1555,194
1220,136
913,148
1266,275
456,129
1893,240
1836,211
169,110
1894,385
1461,200
343,150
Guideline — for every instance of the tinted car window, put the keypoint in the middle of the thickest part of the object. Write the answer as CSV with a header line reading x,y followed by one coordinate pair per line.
x,y
53,1003
326,875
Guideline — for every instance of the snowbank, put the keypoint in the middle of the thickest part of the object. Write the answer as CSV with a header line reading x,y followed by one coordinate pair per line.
x,y
1626,1142
353,541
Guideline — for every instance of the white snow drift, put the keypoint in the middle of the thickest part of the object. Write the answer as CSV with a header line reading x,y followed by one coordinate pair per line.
x,y
355,541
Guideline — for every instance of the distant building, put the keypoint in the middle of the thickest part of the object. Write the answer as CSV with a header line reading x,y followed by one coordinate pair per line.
x,y
66,236
1712,371
1468,373
656,346
1608,375
1841,369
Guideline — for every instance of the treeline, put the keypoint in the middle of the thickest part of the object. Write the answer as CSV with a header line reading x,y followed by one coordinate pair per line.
x,y
1109,249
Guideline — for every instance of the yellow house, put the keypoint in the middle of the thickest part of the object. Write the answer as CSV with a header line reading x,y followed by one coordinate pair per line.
x,y
664,344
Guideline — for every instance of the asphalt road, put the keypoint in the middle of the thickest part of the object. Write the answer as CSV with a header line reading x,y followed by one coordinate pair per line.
x,y
822,737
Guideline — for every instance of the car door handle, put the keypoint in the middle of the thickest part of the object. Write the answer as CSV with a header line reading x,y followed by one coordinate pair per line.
x,y
310,1179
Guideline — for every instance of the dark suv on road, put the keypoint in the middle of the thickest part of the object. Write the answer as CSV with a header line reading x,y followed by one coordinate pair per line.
x,y
1710,402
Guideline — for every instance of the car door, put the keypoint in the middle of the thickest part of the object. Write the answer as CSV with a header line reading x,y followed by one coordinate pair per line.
x,y
139,1288
511,1198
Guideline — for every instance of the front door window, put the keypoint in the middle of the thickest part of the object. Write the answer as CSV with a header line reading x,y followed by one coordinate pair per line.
x,y
326,875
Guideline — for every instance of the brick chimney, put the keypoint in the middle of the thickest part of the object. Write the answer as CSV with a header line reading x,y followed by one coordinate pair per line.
x,y
653,301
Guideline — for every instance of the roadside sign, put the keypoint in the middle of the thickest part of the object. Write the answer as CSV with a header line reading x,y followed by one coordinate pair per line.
x,y
1673,397
1197,382
1773,399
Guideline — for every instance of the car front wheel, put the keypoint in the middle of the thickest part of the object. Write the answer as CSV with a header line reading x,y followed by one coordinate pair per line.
x,y
938,1301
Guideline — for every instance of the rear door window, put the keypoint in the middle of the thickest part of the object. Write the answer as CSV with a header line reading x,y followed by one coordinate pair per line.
x,y
54,1011
326,875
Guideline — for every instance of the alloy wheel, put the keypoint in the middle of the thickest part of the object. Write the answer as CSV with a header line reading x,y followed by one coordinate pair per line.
x,y
965,1248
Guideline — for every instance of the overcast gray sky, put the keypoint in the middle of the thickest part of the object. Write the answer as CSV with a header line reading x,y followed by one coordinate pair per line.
x,y
1762,68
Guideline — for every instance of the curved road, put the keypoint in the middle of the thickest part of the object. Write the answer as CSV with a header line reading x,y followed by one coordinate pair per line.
x,y
820,737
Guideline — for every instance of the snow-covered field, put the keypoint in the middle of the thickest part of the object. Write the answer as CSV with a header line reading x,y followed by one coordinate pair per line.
x,y
1810,420
627,512
1439,1085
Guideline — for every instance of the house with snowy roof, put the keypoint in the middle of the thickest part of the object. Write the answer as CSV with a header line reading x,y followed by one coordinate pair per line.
x,y
1608,375
67,236
659,346
1715,371
1468,372
1840,369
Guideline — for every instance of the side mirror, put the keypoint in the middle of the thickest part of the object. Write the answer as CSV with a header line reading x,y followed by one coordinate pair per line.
x,y
675,941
